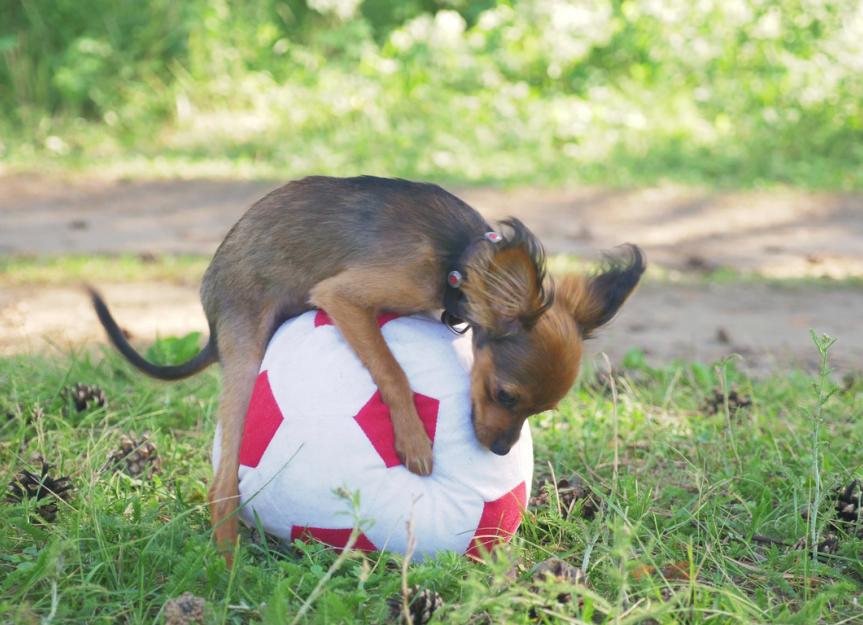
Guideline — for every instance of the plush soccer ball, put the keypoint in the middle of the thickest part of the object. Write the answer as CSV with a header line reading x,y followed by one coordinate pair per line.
x,y
316,424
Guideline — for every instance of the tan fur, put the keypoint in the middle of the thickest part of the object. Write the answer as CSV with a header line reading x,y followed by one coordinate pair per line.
x,y
574,293
548,364
241,350
353,300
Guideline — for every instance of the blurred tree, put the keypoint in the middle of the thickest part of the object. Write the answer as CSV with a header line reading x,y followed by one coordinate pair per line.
x,y
740,91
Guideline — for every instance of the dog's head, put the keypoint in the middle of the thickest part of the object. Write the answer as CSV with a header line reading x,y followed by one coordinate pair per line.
x,y
528,334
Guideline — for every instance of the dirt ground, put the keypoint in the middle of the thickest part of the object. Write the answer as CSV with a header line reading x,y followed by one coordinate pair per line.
x,y
782,234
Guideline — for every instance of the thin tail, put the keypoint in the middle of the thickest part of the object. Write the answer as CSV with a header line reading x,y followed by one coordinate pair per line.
x,y
202,360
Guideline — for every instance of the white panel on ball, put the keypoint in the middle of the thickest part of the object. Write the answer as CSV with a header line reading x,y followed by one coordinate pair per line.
x,y
316,424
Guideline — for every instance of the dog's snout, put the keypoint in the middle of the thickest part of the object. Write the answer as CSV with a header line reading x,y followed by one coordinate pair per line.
x,y
501,446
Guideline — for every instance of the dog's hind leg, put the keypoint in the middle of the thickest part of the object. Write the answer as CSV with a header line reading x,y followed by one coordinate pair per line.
x,y
241,344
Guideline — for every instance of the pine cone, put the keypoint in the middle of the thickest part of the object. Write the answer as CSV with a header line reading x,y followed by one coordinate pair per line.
x,y
557,570
847,517
41,488
422,604
828,544
85,396
184,610
569,491
135,456
715,402
847,503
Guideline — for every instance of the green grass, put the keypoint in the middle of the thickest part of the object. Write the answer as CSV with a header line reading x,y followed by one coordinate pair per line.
x,y
74,268
677,486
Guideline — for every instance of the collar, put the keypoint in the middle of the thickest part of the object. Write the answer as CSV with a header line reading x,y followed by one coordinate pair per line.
x,y
454,315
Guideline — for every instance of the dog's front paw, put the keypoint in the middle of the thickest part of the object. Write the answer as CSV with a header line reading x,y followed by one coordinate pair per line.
x,y
414,448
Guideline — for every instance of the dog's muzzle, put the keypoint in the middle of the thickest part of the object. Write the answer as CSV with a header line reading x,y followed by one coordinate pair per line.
x,y
501,447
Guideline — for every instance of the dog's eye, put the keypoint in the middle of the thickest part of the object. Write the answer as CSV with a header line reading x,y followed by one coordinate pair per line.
x,y
507,400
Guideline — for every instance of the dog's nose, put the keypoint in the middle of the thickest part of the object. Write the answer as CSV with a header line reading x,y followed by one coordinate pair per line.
x,y
501,447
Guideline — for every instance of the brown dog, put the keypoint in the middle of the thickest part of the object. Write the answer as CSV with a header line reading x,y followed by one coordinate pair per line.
x,y
356,246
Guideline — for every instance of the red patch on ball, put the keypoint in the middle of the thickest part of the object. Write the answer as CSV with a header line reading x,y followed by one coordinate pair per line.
x,y
323,319
499,521
334,537
263,418
374,419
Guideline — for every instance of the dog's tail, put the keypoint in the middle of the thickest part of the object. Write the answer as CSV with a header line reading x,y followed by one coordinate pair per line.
x,y
207,356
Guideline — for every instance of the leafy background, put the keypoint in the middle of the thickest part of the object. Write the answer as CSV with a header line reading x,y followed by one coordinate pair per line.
x,y
727,92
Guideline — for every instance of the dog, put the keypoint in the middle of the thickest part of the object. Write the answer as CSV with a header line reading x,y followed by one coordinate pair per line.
x,y
356,246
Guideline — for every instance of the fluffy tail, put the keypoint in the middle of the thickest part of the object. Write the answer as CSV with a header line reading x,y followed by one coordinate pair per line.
x,y
202,360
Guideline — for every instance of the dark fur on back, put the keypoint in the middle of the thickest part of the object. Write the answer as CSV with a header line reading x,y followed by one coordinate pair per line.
x,y
314,228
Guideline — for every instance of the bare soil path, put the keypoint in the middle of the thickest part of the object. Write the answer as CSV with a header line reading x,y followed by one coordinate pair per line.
x,y
783,234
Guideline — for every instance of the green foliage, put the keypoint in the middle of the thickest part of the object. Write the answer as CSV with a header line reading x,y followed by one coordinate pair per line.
x,y
548,91
122,547
77,269
174,350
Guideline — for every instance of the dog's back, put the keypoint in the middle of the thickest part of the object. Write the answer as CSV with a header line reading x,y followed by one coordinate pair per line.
x,y
312,229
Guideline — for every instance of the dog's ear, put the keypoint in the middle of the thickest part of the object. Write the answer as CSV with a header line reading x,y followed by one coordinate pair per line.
x,y
505,286
594,300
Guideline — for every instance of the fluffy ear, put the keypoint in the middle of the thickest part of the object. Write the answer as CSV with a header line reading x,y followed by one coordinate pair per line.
x,y
594,300
505,287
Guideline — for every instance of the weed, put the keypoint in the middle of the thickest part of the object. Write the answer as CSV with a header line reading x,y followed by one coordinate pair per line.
x,y
823,343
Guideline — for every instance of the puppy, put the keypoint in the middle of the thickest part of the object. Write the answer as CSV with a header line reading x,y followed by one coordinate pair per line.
x,y
357,246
